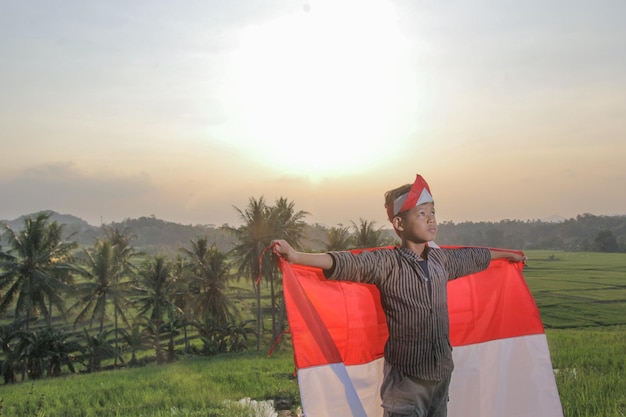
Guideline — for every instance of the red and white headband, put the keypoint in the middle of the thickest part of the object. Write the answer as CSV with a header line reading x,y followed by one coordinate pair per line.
x,y
419,194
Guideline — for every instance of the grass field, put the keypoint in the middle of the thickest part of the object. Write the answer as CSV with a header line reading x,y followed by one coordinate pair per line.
x,y
581,297
190,387
578,289
590,370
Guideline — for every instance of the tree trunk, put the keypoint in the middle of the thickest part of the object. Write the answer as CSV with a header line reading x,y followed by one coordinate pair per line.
x,y
282,315
116,347
259,313
186,337
273,303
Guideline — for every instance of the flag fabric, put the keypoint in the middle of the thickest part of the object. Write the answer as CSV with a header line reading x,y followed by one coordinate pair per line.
x,y
500,351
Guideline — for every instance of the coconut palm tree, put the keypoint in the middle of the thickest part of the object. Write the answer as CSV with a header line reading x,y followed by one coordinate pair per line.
x,y
338,238
109,271
180,294
253,236
366,235
207,275
123,256
286,223
155,288
36,268
260,224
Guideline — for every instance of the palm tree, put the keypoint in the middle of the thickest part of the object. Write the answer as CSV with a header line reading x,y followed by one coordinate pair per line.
x,y
156,291
32,350
366,236
8,334
155,288
45,350
237,335
61,352
261,224
94,294
180,295
136,339
338,238
253,236
175,320
123,255
286,223
36,268
96,348
207,276
108,268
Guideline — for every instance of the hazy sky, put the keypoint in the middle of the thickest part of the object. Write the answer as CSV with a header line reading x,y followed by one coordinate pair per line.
x,y
185,109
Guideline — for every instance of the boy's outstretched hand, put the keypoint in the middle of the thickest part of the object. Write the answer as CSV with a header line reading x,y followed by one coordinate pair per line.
x,y
318,260
284,250
510,255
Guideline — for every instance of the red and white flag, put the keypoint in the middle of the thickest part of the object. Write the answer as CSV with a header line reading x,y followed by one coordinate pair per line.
x,y
501,356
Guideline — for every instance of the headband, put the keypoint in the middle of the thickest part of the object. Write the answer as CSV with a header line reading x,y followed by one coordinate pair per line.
x,y
419,194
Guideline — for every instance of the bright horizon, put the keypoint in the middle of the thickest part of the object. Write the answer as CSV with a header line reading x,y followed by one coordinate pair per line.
x,y
184,111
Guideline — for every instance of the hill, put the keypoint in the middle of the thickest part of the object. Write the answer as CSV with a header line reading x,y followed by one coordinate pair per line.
x,y
74,227
152,235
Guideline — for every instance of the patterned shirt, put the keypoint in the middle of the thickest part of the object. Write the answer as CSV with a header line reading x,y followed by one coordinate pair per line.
x,y
415,302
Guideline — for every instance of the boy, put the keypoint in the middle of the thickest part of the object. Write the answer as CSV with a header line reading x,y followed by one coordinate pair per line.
x,y
412,282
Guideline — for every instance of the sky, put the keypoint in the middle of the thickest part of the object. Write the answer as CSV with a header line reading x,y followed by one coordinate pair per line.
x,y
187,110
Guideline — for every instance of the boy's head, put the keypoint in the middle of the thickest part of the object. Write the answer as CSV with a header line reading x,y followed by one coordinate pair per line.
x,y
406,197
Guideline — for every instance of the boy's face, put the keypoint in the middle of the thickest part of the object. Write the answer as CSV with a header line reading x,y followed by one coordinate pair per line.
x,y
417,224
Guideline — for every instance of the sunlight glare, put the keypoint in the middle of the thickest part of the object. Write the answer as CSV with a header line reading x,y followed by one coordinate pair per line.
x,y
321,92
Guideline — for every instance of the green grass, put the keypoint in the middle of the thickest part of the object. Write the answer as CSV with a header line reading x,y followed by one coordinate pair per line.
x,y
590,370
189,387
578,289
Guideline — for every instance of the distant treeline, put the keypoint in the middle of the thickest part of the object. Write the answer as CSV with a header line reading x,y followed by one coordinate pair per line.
x,y
586,232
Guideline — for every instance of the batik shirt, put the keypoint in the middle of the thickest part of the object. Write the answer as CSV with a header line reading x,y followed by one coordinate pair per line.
x,y
414,298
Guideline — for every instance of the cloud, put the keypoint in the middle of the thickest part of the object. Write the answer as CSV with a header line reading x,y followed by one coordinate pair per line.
x,y
63,187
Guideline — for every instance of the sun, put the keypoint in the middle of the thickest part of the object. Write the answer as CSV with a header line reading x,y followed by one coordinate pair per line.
x,y
324,91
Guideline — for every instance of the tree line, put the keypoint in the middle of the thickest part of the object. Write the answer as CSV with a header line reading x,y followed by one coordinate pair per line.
x,y
586,232
66,307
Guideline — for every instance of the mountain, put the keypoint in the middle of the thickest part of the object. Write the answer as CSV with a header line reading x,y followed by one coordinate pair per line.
x,y
74,227
152,235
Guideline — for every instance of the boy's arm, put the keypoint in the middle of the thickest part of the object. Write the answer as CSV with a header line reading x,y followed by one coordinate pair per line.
x,y
510,255
316,260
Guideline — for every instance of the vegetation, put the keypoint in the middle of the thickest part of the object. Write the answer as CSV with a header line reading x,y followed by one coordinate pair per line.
x,y
196,386
582,301
584,233
179,311
578,289
123,301
590,370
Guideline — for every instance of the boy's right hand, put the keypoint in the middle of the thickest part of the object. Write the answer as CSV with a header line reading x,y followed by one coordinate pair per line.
x,y
283,249
317,260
